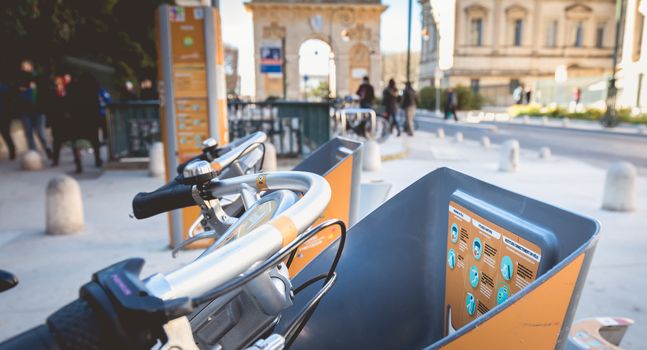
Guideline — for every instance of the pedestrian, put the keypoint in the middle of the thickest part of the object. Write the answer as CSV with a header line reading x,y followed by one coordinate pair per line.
x,y
528,95
147,91
59,116
104,100
128,91
577,97
451,105
5,119
83,106
409,103
28,105
366,94
517,95
390,99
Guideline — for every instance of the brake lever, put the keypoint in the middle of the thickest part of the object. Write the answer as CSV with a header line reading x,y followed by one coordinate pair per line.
x,y
190,240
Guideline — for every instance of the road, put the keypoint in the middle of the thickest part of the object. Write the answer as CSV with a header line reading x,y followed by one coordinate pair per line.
x,y
595,147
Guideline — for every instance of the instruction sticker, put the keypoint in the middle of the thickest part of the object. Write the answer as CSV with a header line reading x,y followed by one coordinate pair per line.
x,y
485,265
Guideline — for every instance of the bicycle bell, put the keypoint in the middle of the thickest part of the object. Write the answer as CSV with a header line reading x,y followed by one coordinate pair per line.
x,y
198,172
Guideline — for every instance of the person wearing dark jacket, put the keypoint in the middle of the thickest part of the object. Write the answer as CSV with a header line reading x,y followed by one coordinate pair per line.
x,y
452,104
366,94
409,103
82,104
390,99
29,107
5,119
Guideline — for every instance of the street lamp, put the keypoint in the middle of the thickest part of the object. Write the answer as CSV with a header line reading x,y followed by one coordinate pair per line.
x,y
610,118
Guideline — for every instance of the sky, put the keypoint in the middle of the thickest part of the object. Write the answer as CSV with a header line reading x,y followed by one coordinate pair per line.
x,y
237,30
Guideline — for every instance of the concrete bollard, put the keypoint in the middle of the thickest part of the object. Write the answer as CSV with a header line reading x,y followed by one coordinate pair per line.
x,y
372,157
156,160
620,187
509,158
269,162
526,119
544,153
64,206
441,133
458,137
544,120
642,129
566,122
485,142
31,161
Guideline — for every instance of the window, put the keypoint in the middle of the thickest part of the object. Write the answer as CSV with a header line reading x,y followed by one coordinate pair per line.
x,y
551,34
599,35
475,85
476,32
518,32
579,34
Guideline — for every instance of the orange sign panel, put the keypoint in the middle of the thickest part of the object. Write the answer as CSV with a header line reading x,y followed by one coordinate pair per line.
x,y
485,265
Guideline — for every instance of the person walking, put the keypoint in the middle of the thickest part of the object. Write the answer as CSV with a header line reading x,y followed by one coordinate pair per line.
x,y
5,120
409,103
517,95
83,107
451,105
390,99
33,120
59,116
366,94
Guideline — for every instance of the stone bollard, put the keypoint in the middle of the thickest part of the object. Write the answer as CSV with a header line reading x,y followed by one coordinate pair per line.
x,y
458,137
31,161
566,122
526,119
372,157
156,160
269,160
620,187
544,120
64,206
544,153
642,129
509,158
441,133
485,142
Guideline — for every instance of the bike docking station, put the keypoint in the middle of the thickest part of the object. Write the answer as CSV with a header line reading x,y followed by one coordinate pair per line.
x,y
455,263
193,99
339,161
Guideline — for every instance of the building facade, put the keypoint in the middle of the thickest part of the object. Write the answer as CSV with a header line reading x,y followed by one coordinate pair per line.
x,y
504,43
632,67
350,27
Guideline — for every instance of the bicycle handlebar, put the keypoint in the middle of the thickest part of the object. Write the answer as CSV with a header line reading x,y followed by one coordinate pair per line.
x,y
237,256
173,195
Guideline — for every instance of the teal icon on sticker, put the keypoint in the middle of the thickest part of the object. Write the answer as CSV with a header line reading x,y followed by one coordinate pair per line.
x,y
470,303
474,276
477,248
502,294
507,268
454,233
187,41
451,258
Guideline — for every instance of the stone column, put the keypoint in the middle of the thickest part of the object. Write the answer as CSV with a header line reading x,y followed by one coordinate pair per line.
x,y
343,74
292,78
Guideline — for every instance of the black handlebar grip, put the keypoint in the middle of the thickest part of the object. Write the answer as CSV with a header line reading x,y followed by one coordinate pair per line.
x,y
76,326
38,338
173,195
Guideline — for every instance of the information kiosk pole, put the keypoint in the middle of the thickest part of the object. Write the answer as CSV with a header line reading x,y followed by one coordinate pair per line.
x,y
193,105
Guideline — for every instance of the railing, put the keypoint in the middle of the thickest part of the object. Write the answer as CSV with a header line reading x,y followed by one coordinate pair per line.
x,y
133,127
295,128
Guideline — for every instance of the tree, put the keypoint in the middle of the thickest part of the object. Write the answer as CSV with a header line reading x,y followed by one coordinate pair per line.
x,y
119,33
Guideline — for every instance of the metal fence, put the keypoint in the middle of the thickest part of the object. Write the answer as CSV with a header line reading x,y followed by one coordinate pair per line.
x,y
295,128
133,127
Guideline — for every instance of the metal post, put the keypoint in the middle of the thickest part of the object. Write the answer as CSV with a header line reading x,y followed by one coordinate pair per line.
x,y
409,45
610,118
437,61
283,72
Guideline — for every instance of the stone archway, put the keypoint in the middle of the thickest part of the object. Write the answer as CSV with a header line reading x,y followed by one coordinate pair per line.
x,y
351,28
